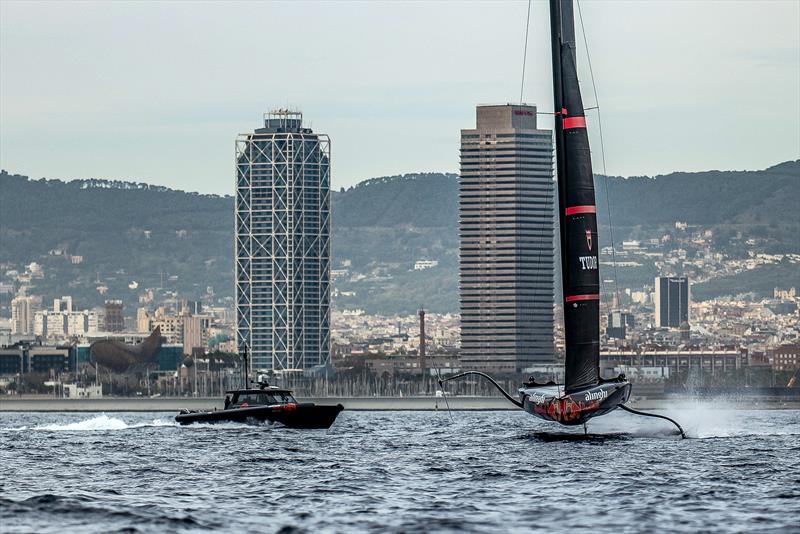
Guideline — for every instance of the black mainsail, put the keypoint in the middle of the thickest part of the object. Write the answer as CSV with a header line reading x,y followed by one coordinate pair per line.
x,y
577,212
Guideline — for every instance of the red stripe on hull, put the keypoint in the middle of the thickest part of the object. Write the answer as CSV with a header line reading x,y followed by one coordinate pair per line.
x,y
574,122
574,210
574,298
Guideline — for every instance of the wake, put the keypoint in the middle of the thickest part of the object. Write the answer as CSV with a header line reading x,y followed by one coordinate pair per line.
x,y
98,423
104,423
703,419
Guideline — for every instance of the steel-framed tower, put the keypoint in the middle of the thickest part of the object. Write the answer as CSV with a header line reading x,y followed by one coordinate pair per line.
x,y
283,244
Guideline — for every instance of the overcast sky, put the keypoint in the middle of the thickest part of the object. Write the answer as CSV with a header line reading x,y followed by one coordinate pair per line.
x,y
157,92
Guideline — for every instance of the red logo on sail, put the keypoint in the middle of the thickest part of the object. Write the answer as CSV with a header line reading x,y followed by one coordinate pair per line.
x,y
589,239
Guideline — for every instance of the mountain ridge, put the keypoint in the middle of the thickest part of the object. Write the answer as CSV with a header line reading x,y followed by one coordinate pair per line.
x,y
130,231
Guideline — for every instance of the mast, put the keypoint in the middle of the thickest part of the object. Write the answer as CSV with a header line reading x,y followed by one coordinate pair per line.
x,y
555,38
577,212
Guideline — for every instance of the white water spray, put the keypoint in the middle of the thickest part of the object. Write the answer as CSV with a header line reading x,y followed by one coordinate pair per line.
x,y
700,419
105,423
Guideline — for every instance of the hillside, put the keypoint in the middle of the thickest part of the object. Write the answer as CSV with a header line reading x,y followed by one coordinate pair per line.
x,y
713,197
382,227
125,232
128,232
427,200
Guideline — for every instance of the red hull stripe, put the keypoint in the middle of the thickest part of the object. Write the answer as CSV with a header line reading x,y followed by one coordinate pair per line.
x,y
574,122
575,210
573,298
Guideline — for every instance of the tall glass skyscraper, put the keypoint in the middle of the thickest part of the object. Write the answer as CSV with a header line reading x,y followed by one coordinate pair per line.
x,y
506,224
283,244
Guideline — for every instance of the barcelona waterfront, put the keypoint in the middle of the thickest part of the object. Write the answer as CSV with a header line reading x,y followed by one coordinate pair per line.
x,y
401,472
466,266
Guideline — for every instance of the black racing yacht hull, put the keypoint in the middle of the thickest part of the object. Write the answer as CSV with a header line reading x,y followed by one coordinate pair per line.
x,y
300,415
575,408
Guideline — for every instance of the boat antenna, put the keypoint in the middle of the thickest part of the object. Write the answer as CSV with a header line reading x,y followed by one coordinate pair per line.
x,y
645,414
525,51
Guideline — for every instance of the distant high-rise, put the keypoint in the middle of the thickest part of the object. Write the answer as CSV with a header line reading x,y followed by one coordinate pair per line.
x,y
672,299
283,244
114,319
195,332
23,310
64,304
192,307
618,324
506,224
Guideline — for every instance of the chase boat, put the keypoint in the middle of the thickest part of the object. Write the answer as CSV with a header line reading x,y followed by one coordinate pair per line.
x,y
265,404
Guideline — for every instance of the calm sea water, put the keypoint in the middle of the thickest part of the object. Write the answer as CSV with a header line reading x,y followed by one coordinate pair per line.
x,y
401,471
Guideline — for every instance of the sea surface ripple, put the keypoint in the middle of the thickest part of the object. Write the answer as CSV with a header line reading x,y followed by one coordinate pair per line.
x,y
401,472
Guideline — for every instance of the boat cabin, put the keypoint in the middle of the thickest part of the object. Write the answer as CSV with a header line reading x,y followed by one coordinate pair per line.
x,y
243,398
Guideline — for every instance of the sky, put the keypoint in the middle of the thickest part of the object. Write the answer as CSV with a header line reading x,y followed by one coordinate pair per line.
x,y
157,92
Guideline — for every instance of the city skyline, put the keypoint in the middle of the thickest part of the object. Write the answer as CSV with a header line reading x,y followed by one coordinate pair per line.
x,y
476,297
650,60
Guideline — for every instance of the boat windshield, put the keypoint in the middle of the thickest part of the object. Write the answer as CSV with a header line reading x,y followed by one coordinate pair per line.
x,y
263,399
283,397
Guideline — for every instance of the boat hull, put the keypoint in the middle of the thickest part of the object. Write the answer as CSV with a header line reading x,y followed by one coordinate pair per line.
x,y
302,415
577,407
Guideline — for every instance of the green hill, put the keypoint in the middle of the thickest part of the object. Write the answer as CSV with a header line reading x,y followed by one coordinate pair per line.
x,y
124,232
713,197
427,200
130,232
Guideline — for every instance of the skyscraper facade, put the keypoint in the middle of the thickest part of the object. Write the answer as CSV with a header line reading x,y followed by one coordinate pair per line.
x,y
23,310
283,244
506,226
114,318
618,324
672,299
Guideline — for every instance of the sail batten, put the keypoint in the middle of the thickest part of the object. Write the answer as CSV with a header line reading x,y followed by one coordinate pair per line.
x,y
577,209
